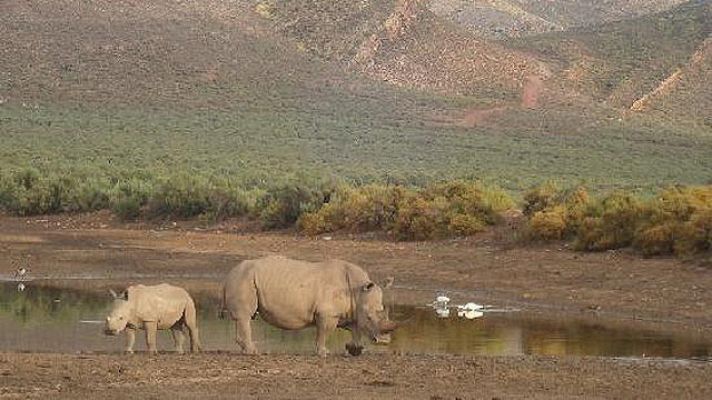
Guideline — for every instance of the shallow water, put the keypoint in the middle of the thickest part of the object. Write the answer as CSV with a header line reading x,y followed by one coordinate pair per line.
x,y
48,318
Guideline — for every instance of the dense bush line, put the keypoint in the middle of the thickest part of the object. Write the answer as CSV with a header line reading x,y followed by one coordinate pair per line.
x,y
130,196
455,208
315,206
677,220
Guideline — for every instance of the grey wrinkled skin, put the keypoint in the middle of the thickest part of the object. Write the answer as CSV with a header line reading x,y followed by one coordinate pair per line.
x,y
292,294
154,308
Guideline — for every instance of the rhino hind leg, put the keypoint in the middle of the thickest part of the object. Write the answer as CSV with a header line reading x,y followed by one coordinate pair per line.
x,y
241,301
243,335
191,322
178,338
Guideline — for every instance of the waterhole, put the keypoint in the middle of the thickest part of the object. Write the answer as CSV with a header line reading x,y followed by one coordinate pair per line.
x,y
45,317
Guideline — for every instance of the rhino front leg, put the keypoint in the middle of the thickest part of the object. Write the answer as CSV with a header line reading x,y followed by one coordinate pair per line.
x,y
151,328
178,338
130,340
324,326
355,347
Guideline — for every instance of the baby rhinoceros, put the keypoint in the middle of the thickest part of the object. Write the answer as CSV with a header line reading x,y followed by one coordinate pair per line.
x,y
152,308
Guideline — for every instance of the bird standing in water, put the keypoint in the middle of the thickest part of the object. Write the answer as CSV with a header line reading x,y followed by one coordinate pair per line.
x,y
21,272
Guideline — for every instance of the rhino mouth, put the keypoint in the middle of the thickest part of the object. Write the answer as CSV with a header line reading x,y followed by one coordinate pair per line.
x,y
383,338
110,332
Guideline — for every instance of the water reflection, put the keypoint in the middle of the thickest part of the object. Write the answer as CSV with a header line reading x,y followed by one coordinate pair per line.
x,y
45,318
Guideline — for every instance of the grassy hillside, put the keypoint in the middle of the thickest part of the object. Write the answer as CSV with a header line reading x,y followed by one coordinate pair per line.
x,y
516,18
621,62
686,92
258,93
402,42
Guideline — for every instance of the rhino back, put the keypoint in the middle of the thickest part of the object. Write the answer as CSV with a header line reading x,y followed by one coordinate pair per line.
x,y
162,303
290,292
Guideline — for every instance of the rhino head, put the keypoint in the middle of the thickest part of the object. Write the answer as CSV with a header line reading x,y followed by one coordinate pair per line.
x,y
120,314
371,317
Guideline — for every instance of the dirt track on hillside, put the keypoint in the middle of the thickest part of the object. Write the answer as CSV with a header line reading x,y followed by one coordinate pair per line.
x,y
489,268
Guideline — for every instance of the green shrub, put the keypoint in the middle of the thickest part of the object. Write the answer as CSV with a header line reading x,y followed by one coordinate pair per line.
x,y
679,203
548,224
28,178
45,196
470,199
180,196
677,220
447,209
613,223
129,196
89,194
368,208
313,223
656,239
465,225
9,194
541,198
282,206
695,236
420,219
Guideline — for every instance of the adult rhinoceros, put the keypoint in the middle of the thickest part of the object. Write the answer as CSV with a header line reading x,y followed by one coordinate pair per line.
x,y
152,308
292,294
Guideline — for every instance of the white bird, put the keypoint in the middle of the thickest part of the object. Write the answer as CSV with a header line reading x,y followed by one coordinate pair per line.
x,y
21,272
20,287
440,306
469,310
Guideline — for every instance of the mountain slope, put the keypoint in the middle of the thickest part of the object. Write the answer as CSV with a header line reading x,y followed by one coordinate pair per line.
x,y
404,43
620,62
516,18
260,92
687,92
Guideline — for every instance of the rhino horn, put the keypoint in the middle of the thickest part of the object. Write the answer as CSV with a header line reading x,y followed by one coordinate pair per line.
x,y
113,294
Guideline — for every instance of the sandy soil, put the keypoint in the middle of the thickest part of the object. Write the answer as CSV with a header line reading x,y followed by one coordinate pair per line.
x,y
383,376
549,279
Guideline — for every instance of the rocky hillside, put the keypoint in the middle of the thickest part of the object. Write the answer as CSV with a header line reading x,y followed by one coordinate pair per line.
x,y
686,92
516,18
626,62
404,43
360,89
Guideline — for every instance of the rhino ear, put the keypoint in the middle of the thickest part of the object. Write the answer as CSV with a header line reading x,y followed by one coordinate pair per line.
x,y
388,282
368,286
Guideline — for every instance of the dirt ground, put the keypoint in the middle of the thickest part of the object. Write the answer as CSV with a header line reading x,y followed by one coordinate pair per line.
x,y
620,286
222,376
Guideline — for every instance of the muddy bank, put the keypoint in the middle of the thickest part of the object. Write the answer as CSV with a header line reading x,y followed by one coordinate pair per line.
x,y
222,376
487,268
93,252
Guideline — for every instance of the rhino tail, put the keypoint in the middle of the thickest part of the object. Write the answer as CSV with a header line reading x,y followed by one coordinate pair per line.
x,y
222,312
